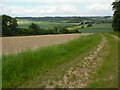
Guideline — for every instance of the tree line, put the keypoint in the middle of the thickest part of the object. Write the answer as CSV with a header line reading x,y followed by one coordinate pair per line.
x,y
10,28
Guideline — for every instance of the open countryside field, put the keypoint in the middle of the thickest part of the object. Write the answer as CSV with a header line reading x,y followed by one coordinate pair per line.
x,y
17,44
49,25
76,27
45,25
60,44
75,64
84,60
97,28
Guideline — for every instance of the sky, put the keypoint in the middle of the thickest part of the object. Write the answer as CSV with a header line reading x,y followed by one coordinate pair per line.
x,y
41,8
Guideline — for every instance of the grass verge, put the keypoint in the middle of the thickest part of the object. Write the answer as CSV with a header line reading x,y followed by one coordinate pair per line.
x,y
115,33
17,68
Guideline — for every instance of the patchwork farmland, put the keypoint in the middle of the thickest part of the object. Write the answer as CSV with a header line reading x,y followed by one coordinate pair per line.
x,y
76,60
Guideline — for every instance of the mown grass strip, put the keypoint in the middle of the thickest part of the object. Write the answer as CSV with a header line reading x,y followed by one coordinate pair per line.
x,y
19,67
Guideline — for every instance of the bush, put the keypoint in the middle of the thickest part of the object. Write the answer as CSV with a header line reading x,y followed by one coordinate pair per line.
x,y
89,25
35,28
9,26
77,31
82,27
63,30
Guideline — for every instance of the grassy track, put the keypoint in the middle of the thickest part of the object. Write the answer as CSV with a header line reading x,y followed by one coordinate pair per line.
x,y
94,69
22,66
44,62
107,74
115,33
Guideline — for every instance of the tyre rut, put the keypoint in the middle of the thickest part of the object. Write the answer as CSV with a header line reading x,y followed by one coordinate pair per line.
x,y
81,75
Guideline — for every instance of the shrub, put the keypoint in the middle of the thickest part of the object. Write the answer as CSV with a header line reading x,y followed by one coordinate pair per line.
x,y
89,25
82,27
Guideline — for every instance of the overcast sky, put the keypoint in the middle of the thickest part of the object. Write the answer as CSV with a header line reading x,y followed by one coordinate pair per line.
x,y
37,8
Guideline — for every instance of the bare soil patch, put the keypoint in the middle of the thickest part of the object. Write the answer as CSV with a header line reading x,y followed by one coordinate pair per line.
x,y
20,43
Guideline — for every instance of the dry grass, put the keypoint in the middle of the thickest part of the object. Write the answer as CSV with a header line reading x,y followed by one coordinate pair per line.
x,y
17,44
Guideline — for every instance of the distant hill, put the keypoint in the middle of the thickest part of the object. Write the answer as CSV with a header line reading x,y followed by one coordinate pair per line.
x,y
75,19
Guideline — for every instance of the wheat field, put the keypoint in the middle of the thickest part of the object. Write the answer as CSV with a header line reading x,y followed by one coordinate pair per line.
x,y
20,43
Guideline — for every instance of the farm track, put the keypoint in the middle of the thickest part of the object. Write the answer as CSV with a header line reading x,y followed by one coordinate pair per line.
x,y
81,75
18,44
116,37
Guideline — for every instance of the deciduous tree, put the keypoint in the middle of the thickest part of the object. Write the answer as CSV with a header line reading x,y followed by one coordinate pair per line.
x,y
9,25
116,16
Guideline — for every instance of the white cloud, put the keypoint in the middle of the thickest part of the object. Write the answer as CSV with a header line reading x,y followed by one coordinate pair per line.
x,y
38,10
96,7
57,1
99,9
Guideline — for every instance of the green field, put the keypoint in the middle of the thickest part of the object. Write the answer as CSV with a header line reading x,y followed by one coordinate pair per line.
x,y
93,29
93,58
44,25
38,61
77,27
97,28
46,63
49,25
